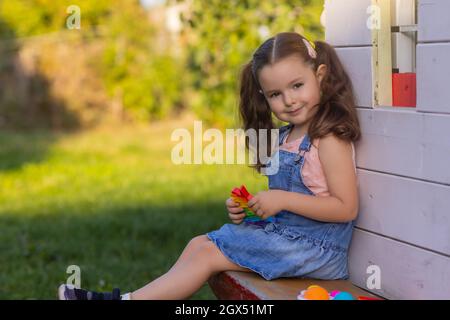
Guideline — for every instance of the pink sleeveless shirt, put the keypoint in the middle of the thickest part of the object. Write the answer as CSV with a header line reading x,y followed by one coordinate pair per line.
x,y
312,173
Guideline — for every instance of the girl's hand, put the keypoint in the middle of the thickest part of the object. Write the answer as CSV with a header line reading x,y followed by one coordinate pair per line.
x,y
266,203
235,213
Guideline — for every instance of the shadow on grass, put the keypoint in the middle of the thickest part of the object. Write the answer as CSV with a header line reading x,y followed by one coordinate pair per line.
x,y
16,149
114,247
26,104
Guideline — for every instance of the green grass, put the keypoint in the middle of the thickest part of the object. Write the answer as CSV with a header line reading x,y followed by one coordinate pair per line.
x,y
108,200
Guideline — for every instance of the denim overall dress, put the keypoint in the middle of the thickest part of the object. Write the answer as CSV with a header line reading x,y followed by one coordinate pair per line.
x,y
291,245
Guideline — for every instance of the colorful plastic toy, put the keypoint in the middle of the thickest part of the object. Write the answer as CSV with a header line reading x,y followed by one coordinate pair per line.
x,y
314,293
334,293
242,196
318,293
343,296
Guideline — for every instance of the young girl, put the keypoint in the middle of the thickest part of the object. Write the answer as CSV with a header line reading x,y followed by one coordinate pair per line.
x,y
312,198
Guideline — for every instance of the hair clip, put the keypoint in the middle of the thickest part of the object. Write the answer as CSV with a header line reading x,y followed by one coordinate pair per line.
x,y
311,48
260,91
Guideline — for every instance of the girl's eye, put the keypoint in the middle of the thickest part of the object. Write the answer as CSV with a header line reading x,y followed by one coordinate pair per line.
x,y
273,95
276,94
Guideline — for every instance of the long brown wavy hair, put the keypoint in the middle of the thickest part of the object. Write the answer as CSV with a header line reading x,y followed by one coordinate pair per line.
x,y
336,111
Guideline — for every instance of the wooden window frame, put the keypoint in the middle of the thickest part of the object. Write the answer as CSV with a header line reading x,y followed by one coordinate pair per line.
x,y
394,51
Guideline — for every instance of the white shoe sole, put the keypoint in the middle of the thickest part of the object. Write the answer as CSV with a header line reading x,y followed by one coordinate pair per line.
x,y
61,292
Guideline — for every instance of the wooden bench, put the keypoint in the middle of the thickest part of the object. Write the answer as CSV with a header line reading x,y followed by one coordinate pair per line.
x,y
234,285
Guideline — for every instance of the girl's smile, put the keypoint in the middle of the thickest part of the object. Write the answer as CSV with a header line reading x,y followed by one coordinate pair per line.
x,y
295,112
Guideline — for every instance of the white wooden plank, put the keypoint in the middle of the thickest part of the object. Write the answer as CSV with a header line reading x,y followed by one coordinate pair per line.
x,y
406,272
434,24
346,22
358,64
409,210
433,76
406,143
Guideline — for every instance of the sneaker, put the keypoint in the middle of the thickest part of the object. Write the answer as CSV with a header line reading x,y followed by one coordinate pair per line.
x,y
69,292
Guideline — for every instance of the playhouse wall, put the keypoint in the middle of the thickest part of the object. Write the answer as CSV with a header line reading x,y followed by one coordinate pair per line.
x,y
402,159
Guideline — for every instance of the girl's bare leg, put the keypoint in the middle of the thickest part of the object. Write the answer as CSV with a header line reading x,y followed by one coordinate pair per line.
x,y
200,259
190,248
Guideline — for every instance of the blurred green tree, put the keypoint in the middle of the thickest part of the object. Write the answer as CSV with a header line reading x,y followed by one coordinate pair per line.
x,y
222,36
143,78
36,17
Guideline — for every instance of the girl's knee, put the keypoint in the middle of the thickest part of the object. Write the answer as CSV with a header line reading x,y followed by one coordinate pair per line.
x,y
209,254
210,257
197,242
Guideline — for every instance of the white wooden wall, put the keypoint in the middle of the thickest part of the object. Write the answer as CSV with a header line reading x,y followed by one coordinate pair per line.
x,y
433,52
403,158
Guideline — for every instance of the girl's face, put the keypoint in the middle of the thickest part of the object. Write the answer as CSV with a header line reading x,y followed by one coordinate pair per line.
x,y
292,89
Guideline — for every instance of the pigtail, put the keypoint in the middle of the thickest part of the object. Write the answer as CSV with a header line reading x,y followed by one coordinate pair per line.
x,y
254,111
337,113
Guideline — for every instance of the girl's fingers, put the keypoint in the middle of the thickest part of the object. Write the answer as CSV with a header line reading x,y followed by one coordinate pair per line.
x,y
253,203
230,203
237,221
235,210
238,216
255,207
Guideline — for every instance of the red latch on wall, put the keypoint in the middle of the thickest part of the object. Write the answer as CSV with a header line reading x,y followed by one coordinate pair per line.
x,y
404,89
